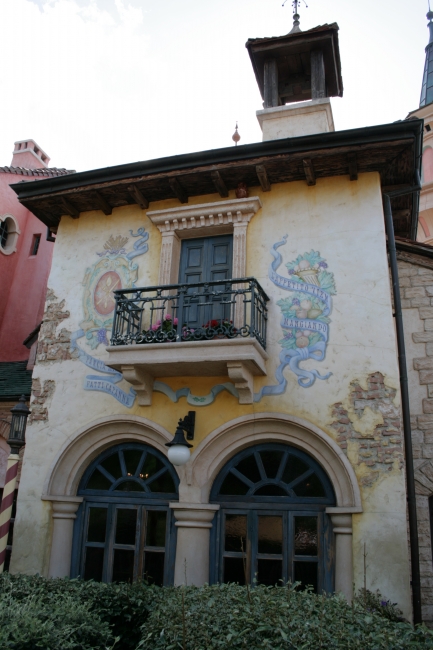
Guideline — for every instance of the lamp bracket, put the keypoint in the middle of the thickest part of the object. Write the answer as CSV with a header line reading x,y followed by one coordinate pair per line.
x,y
188,425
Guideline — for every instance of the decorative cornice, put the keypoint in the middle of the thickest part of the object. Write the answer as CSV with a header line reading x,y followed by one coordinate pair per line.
x,y
206,215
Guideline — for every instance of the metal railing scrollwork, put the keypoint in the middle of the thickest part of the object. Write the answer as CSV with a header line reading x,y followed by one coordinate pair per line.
x,y
190,312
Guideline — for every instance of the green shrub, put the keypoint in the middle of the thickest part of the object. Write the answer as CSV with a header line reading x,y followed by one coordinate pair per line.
x,y
122,607
277,618
60,622
36,613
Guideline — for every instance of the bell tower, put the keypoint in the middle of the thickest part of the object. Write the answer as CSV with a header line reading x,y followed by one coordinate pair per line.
x,y
297,74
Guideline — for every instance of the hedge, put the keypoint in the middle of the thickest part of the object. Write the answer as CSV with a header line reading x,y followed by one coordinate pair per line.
x,y
36,613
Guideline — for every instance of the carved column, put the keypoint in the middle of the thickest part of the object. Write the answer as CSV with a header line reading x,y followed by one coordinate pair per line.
x,y
342,524
170,257
64,515
239,267
193,522
240,248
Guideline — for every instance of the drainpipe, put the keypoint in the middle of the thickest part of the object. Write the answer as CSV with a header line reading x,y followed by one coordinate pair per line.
x,y
410,475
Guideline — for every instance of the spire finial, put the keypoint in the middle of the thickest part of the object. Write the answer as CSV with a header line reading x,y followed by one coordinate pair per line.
x,y
236,137
430,23
296,16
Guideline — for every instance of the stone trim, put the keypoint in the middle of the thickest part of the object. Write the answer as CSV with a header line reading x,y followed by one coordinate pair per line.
x,y
240,359
223,443
203,220
87,443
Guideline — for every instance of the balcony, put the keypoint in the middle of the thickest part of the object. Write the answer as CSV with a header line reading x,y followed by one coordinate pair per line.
x,y
207,329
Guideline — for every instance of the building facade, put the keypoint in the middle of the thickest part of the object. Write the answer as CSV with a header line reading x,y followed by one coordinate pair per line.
x,y
25,261
252,289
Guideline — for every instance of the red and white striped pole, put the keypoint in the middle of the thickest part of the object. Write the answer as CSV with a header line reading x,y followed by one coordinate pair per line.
x,y
6,505
16,440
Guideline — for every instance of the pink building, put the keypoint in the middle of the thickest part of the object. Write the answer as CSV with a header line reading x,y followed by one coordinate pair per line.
x,y
26,249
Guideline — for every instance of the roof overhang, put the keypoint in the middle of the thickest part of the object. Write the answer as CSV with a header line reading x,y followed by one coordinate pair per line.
x,y
392,150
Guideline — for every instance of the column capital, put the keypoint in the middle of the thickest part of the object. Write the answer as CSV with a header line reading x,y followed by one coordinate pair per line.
x,y
194,515
342,523
64,507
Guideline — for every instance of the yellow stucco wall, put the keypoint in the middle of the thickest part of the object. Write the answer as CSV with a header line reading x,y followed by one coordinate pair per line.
x,y
342,220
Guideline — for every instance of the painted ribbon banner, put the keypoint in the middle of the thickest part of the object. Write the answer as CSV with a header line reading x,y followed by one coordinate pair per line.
x,y
100,383
310,325
305,337
194,400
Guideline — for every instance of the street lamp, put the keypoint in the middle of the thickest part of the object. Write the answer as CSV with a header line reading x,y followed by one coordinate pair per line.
x,y
178,448
16,440
17,431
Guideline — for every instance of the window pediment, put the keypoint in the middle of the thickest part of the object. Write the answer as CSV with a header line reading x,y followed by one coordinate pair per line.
x,y
205,219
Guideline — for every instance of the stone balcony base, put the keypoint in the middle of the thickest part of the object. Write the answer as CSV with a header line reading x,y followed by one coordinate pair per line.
x,y
240,359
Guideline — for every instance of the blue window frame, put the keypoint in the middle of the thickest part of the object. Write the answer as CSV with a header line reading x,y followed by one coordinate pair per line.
x,y
272,526
124,528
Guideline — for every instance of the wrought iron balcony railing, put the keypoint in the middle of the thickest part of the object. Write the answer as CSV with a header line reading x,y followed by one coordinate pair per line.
x,y
191,312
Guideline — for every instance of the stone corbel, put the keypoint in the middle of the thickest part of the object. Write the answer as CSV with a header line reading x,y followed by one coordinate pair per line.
x,y
142,382
243,381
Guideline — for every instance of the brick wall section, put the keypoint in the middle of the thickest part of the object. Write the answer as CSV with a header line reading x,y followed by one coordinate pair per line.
x,y
53,346
380,450
416,285
40,395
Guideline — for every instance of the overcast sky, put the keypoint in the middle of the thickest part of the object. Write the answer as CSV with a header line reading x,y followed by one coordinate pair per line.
x,y
105,82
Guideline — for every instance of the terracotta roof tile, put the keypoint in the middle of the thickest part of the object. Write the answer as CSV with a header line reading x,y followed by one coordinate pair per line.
x,y
43,172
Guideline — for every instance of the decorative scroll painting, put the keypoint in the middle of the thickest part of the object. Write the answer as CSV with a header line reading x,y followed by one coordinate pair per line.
x,y
304,316
115,269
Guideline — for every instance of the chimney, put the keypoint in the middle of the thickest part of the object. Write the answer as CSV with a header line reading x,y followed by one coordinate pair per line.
x,y
29,155
296,75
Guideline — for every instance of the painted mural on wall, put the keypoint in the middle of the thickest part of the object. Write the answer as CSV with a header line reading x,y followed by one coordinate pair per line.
x,y
115,269
305,316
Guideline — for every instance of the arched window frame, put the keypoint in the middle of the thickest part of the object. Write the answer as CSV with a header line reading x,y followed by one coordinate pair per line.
x,y
13,233
285,506
113,500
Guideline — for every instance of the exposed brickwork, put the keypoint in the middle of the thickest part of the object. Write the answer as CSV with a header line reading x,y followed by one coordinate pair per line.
x,y
380,449
40,394
53,346
418,279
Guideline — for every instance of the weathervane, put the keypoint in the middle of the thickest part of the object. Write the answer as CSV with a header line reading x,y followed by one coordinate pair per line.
x,y
295,4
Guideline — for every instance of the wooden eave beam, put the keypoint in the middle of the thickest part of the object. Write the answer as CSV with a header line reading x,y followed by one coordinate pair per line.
x,y
220,186
390,146
178,190
103,203
309,171
262,175
353,166
70,208
138,197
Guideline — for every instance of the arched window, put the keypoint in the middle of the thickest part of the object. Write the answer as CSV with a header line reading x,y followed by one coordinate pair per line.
x,y
9,232
272,524
124,529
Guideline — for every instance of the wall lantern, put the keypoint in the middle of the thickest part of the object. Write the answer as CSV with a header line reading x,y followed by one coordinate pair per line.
x,y
17,431
178,448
